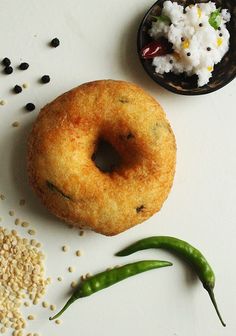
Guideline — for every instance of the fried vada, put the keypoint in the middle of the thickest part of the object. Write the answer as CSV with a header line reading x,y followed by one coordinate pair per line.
x,y
61,149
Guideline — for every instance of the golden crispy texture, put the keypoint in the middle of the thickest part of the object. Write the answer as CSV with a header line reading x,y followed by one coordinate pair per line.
x,y
64,138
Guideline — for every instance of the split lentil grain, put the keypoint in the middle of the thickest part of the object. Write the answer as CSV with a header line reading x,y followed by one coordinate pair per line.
x,y
52,307
2,197
81,233
31,232
2,102
22,202
78,253
74,284
65,248
45,304
59,279
15,124
22,275
58,321
11,213
31,317
25,224
49,280
71,269
36,301
88,275
17,221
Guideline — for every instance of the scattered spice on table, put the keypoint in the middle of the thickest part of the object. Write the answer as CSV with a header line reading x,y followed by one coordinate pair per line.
x,y
45,79
8,70
6,62
24,66
17,89
30,107
55,42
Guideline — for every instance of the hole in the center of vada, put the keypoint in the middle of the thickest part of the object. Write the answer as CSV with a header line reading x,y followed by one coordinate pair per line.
x,y
106,158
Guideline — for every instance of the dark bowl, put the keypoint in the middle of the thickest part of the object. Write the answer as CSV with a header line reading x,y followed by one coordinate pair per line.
x,y
224,72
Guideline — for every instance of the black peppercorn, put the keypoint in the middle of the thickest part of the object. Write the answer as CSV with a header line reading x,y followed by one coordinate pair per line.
x,y
8,70
6,62
24,66
220,34
188,54
45,79
200,24
208,49
30,107
171,61
17,89
55,42
219,28
182,39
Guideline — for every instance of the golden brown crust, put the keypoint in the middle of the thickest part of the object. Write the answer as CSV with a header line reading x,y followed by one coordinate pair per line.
x,y
63,140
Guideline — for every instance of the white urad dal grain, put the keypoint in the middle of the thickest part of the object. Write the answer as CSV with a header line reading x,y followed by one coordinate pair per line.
x,y
197,45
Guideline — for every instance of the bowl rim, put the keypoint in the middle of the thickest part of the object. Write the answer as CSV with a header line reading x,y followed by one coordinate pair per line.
x,y
162,82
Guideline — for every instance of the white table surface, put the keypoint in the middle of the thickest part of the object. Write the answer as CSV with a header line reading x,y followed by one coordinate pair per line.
x,y
98,41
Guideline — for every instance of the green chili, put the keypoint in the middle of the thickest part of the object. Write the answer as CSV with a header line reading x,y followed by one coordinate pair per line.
x,y
215,19
189,253
110,277
162,18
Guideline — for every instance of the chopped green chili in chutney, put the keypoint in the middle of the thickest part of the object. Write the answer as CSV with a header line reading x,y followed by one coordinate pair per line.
x,y
187,252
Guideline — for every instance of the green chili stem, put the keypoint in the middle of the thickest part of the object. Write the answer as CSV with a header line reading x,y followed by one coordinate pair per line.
x,y
213,300
68,303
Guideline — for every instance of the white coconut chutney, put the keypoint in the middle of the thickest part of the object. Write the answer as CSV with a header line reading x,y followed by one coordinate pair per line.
x,y
199,36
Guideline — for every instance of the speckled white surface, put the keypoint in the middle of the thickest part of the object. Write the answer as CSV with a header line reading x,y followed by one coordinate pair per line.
x,y
98,40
